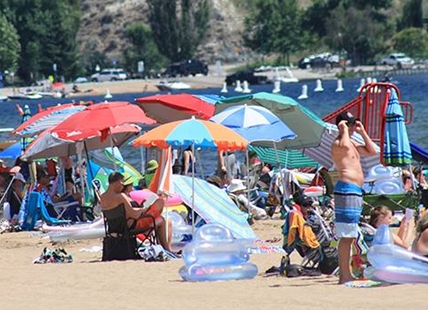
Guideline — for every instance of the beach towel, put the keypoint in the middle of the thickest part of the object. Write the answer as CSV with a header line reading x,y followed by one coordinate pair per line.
x,y
397,151
214,205
295,231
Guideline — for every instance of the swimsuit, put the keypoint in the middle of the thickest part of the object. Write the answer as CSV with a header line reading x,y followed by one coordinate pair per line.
x,y
348,198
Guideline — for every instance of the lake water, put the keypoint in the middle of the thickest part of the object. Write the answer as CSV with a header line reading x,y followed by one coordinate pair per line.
x,y
413,89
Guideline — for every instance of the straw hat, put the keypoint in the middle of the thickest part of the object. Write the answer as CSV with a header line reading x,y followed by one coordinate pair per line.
x,y
152,165
236,185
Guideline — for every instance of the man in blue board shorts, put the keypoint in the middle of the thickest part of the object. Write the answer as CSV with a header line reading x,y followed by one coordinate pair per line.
x,y
348,198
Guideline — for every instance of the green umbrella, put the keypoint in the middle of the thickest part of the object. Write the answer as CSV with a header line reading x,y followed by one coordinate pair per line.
x,y
308,126
288,158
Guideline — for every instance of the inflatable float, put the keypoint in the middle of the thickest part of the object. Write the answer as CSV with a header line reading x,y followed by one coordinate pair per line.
x,y
141,195
215,255
84,231
391,263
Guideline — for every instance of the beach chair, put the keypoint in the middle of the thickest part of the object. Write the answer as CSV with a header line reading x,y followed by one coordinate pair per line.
x,y
36,209
120,242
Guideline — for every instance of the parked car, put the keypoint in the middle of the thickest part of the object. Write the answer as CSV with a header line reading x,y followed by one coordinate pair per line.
x,y
186,67
322,60
399,60
109,75
246,75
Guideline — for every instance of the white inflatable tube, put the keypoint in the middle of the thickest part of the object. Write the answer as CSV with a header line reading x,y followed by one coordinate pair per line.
x,y
395,274
85,234
99,222
218,272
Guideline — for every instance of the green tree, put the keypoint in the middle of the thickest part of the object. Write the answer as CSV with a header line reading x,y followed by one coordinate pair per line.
x,y
412,41
275,26
364,40
9,45
47,31
142,48
412,15
178,30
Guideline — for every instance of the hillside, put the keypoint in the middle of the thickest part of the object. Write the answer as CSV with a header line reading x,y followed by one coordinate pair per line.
x,y
104,22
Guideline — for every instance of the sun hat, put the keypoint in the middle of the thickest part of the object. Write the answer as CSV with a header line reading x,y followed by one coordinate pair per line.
x,y
19,177
152,165
236,185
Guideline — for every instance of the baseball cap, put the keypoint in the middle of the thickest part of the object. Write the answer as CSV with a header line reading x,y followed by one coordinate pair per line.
x,y
346,116
19,177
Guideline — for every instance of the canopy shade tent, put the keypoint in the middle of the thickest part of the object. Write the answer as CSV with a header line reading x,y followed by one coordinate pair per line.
x,y
306,125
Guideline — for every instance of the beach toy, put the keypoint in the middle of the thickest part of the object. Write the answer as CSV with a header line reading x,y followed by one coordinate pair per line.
x,y
379,172
215,255
179,227
391,263
388,187
141,195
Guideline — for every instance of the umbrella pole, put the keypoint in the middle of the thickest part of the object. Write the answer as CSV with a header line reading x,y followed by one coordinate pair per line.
x,y
193,193
248,182
285,192
112,150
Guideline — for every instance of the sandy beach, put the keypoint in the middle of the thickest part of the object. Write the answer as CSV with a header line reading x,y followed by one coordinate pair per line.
x,y
88,283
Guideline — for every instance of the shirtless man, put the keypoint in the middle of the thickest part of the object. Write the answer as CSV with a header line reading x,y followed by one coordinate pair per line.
x,y
113,197
347,191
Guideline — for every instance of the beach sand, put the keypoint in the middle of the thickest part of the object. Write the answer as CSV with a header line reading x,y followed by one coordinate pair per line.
x,y
88,283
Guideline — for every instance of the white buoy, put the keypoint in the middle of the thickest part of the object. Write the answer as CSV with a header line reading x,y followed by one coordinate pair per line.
x,y
319,86
362,83
304,94
276,87
246,89
369,80
224,89
108,95
374,80
238,87
339,86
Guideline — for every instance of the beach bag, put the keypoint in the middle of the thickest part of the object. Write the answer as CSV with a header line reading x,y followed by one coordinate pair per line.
x,y
329,261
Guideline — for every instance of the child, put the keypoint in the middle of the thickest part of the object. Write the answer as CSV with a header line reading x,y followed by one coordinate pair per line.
x,y
383,215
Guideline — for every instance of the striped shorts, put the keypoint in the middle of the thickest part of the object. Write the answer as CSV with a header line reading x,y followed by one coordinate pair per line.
x,y
348,198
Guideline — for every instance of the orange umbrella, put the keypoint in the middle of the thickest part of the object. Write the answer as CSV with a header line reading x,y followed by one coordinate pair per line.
x,y
192,132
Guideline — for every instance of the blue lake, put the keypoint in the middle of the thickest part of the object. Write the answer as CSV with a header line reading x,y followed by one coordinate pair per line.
x,y
413,89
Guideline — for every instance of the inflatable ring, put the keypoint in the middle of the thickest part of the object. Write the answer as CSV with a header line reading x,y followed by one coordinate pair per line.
x,y
218,272
314,191
387,187
141,195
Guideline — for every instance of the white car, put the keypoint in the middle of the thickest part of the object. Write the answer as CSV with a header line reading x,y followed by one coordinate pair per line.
x,y
398,60
109,75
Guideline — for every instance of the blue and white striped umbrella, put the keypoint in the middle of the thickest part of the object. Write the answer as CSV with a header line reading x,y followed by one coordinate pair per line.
x,y
397,151
254,123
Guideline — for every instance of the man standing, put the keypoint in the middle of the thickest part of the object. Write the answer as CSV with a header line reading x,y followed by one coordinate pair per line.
x,y
347,191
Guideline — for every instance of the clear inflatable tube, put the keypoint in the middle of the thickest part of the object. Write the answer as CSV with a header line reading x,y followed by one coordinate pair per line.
x,y
392,263
215,255
84,234
197,272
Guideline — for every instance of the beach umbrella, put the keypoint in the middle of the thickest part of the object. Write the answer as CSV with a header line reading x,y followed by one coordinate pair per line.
x,y
254,123
46,119
306,125
101,117
396,150
195,133
12,152
57,144
175,107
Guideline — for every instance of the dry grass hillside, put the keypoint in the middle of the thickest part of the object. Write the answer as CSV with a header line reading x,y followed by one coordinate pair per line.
x,y
104,23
